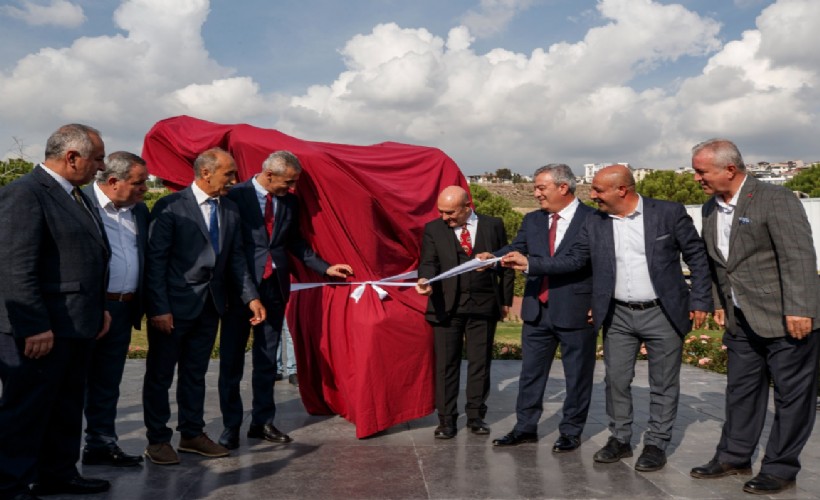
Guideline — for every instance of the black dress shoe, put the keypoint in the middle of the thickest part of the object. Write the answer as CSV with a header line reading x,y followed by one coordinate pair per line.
x,y
230,438
566,443
268,432
613,451
652,458
445,431
478,426
716,469
514,438
278,377
766,484
113,457
77,485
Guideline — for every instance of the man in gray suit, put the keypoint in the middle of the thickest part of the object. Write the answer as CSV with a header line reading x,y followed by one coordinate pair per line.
x,y
639,296
765,280
53,265
194,247
117,197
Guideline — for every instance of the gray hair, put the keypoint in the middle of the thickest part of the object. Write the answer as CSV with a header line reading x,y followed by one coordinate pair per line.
x,y
72,136
724,153
560,173
118,165
278,168
208,160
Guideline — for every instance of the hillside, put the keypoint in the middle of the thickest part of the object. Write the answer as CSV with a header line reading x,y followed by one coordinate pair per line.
x,y
521,195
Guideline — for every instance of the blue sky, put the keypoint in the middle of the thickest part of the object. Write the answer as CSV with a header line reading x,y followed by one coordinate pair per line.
x,y
493,83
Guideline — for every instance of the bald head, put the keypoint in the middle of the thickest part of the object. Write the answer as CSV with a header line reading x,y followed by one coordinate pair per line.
x,y
613,189
454,206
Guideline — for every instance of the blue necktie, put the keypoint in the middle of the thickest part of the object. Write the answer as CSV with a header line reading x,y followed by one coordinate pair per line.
x,y
213,227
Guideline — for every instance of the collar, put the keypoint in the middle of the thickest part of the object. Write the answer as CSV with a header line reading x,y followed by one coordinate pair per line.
x,y
62,181
260,191
200,195
105,201
729,207
638,211
568,211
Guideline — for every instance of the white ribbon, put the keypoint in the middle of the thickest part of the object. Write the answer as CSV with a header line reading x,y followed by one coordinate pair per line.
x,y
378,285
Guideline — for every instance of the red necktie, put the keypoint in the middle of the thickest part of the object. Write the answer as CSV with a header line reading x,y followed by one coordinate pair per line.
x,y
466,244
269,227
544,295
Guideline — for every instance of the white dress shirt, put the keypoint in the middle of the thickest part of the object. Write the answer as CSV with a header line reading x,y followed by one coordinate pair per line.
x,y
725,215
205,207
262,199
632,282
472,227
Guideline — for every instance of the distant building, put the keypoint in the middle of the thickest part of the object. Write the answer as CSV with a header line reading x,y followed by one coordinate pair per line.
x,y
590,169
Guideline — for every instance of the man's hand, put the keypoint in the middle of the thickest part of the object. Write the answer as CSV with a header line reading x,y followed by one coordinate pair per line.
x,y
698,318
516,261
163,323
590,321
798,326
485,256
106,324
423,288
39,345
258,311
505,311
339,271
720,317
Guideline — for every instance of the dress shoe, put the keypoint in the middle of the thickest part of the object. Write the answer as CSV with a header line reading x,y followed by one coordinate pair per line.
x,y
514,438
113,457
478,426
716,469
566,443
230,438
445,431
202,445
77,485
293,380
613,451
161,454
652,458
766,484
268,432
278,377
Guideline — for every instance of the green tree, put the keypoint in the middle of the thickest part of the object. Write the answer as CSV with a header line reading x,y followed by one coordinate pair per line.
x,y
807,181
12,169
487,203
153,195
668,185
504,174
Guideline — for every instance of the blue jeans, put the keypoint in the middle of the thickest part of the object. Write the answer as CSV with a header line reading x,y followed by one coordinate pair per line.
x,y
290,356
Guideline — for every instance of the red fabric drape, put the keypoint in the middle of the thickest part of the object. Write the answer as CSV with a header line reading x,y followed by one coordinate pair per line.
x,y
370,362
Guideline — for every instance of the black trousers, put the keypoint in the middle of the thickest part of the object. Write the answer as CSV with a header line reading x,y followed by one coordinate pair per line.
x,y
266,337
539,342
792,365
187,348
41,412
478,332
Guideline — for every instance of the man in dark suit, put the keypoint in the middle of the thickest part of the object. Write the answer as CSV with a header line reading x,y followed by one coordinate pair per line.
x,y
639,296
53,266
194,247
117,197
555,311
765,280
463,307
269,216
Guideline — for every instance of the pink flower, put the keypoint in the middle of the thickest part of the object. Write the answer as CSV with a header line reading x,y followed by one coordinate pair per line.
x,y
505,350
704,337
704,361
689,340
723,348
643,350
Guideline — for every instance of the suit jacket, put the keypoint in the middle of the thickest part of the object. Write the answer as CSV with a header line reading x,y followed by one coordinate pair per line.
x,y
182,271
286,237
669,234
771,267
570,294
54,261
141,218
440,252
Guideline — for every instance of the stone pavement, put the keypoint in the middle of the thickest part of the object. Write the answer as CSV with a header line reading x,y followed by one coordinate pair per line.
x,y
327,461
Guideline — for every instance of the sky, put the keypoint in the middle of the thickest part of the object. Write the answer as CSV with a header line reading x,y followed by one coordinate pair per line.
x,y
493,83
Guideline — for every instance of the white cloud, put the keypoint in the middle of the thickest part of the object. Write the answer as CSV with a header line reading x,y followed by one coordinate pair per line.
x,y
493,16
57,13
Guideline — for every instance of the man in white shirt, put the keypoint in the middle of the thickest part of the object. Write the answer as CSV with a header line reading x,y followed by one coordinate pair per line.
x,y
117,197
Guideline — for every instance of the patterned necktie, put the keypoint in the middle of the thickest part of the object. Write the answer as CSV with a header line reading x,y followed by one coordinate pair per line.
x,y
213,227
268,272
466,244
75,193
544,295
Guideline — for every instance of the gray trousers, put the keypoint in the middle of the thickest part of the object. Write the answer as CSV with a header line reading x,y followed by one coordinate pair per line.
x,y
623,337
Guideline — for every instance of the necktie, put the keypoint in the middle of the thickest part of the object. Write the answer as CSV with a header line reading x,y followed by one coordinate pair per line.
x,y
213,227
544,295
269,227
466,244
75,193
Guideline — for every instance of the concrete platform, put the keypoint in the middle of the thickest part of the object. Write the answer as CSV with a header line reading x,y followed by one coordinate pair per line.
x,y
327,461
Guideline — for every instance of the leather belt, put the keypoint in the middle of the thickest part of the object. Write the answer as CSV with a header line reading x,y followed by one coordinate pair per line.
x,y
120,297
638,306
